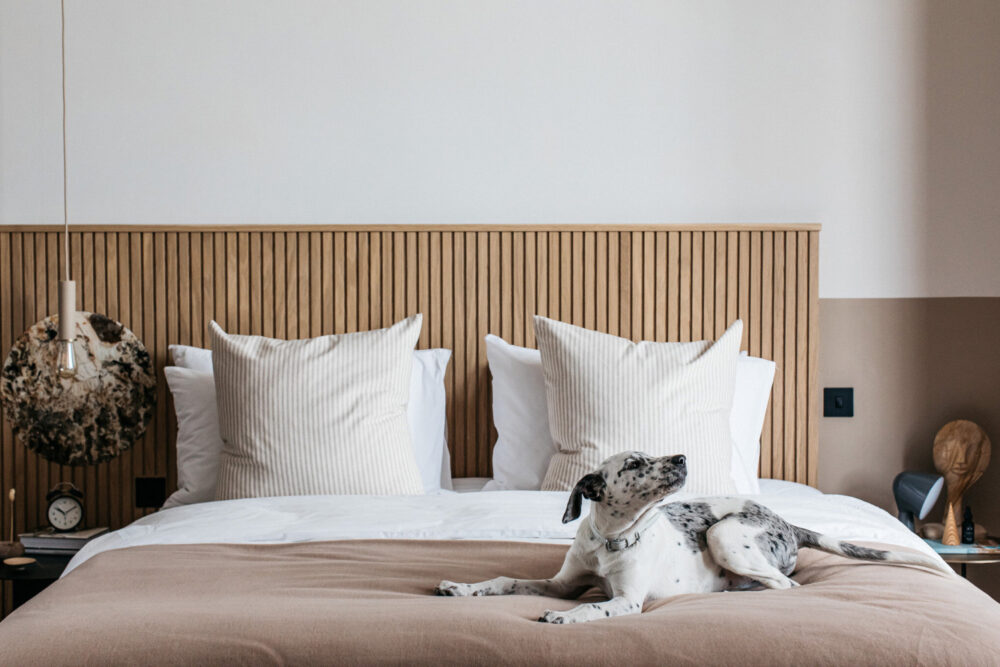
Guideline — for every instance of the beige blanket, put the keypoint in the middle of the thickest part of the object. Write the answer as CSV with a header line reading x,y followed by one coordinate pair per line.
x,y
370,602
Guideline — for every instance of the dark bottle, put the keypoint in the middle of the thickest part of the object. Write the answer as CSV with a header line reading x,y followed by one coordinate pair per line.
x,y
968,527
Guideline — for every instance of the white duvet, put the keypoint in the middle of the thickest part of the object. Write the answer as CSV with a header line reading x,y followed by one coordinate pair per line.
x,y
496,515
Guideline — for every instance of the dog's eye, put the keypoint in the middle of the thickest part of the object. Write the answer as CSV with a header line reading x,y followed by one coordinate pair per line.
x,y
633,464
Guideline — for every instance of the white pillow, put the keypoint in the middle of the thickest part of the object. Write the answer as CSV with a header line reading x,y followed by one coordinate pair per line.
x,y
524,445
754,377
199,445
316,416
607,394
427,416
195,358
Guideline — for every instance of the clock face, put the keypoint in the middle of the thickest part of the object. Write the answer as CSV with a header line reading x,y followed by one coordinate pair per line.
x,y
65,513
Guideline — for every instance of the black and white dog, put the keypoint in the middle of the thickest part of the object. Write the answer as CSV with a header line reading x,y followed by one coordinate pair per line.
x,y
635,549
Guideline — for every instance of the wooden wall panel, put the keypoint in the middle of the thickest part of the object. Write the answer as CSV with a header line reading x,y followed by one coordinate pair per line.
x,y
652,282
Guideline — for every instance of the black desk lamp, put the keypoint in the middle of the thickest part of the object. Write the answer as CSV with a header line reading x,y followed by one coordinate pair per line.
x,y
916,493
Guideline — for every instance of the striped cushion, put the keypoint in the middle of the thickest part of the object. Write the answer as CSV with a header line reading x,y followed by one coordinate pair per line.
x,y
607,395
324,415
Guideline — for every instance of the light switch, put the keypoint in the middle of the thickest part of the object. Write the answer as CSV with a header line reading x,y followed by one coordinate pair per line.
x,y
838,402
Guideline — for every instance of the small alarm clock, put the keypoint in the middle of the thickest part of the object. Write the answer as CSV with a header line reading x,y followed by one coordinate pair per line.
x,y
65,507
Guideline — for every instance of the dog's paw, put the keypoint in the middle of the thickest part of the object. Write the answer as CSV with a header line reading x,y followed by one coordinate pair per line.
x,y
554,617
451,589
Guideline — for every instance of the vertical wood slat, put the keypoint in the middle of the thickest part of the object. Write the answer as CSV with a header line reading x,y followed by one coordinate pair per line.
x,y
684,280
164,405
600,269
28,316
87,302
16,318
637,286
790,293
374,286
624,315
764,325
255,259
434,313
292,285
120,507
102,273
721,287
655,284
470,360
743,282
697,272
42,304
457,397
388,282
801,332
659,308
586,270
480,442
445,286
778,349
614,274
566,291
316,280
812,359
519,286
708,286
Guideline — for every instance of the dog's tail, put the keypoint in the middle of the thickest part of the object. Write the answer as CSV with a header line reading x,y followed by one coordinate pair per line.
x,y
813,540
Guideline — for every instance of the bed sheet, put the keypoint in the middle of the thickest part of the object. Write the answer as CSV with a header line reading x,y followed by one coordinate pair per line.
x,y
488,515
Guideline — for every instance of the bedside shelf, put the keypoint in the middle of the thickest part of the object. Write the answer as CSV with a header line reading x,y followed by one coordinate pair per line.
x,y
31,580
953,555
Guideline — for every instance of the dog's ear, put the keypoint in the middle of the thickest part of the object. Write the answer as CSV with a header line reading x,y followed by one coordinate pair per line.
x,y
591,487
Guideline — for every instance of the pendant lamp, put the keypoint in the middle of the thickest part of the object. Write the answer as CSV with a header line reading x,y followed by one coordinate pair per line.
x,y
78,387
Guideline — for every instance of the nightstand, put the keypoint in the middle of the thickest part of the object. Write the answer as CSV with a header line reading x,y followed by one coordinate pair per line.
x,y
970,559
964,559
27,582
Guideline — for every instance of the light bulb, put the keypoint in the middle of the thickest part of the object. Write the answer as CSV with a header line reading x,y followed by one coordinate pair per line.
x,y
66,361
66,364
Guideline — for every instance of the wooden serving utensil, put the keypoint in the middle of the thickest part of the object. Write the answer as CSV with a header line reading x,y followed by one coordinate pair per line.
x,y
11,548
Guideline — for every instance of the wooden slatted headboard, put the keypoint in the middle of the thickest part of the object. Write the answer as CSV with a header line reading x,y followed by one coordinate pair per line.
x,y
649,282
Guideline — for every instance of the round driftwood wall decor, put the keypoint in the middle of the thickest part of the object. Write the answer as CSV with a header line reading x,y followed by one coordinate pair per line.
x,y
89,418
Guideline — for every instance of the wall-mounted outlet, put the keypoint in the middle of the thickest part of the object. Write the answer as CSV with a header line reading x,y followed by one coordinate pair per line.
x,y
150,491
838,402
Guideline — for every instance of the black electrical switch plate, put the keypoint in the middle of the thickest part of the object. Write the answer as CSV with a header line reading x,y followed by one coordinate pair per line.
x,y
150,491
838,402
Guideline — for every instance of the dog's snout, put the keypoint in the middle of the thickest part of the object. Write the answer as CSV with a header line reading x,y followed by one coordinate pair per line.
x,y
678,460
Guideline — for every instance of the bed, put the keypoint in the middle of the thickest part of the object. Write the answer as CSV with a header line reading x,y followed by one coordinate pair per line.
x,y
349,579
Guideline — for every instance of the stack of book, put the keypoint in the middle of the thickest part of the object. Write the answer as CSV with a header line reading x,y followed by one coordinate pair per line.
x,y
48,542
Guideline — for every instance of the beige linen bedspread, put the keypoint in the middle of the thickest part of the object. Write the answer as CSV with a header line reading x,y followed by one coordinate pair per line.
x,y
370,602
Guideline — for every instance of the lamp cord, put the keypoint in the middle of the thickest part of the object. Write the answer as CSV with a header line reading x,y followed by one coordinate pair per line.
x,y
62,5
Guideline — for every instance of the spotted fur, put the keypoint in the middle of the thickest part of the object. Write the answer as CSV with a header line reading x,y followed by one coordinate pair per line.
x,y
692,520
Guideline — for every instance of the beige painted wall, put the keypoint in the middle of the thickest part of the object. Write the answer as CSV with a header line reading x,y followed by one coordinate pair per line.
x,y
914,364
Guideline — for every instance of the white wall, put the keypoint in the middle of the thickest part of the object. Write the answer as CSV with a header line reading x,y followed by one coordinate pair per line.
x,y
874,117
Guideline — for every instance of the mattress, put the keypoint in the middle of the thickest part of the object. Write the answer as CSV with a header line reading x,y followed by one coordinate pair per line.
x,y
349,580
487,515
